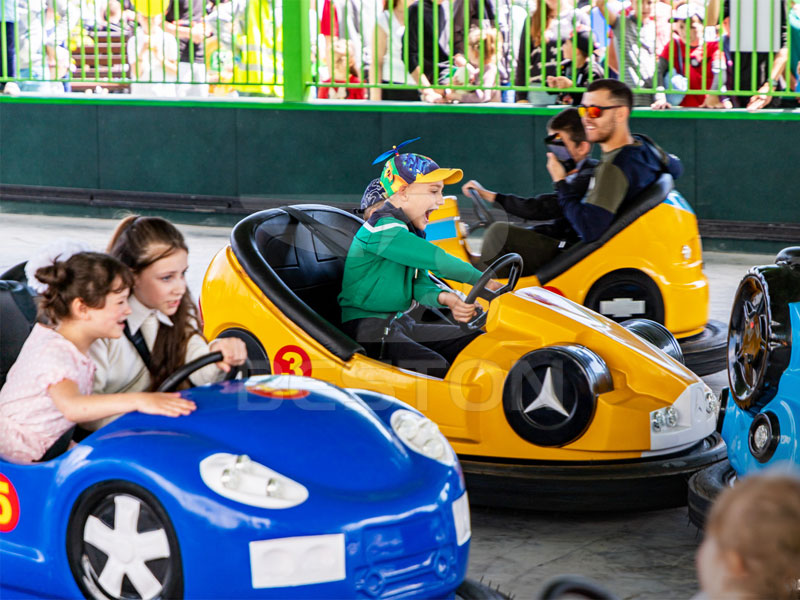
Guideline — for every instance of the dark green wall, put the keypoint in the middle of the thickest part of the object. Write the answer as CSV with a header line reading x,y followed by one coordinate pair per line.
x,y
738,166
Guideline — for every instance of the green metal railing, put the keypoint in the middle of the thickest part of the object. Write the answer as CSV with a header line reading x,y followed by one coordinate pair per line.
x,y
505,48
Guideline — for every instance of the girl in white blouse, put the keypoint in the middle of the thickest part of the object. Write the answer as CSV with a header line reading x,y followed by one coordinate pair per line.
x,y
162,313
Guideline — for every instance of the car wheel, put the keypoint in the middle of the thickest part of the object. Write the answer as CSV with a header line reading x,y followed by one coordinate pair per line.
x,y
477,590
656,334
550,394
759,336
707,352
705,486
624,294
121,544
257,357
574,586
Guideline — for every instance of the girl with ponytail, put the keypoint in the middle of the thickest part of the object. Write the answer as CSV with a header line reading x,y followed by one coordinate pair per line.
x,y
163,330
49,387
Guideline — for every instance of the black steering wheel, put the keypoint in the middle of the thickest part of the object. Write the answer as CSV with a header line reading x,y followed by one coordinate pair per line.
x,y
512,260
482,210
173,381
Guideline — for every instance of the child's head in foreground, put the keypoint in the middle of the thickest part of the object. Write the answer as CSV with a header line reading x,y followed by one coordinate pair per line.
x,y
752,541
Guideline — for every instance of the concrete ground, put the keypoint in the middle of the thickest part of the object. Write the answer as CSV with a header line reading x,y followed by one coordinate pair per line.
x,y
635,555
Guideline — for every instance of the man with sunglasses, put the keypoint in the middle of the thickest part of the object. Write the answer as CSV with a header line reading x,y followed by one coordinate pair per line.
x,y
629,164
568,156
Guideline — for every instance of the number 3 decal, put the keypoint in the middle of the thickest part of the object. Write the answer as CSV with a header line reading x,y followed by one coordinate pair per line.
x,y
9,505
292,360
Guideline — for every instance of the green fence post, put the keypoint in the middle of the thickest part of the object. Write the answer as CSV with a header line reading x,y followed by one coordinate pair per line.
x,y
296,51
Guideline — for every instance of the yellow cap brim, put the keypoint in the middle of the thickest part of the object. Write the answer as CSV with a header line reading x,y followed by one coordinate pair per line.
x,y
447,175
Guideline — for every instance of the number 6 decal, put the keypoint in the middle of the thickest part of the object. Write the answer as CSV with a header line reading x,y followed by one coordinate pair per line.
x,y
292,360
9,505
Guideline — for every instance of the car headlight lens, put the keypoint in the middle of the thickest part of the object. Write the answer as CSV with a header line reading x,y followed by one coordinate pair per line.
x,y
241,479
761,437
422,435
664,417
686,252
712,404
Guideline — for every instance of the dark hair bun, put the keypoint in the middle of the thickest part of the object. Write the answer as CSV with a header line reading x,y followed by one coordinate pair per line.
x,y
58,275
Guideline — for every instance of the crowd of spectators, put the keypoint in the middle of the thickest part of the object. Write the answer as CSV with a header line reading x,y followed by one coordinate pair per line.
x,y
540,52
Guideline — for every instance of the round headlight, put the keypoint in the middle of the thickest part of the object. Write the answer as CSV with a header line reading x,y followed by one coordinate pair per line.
x,y
671,416
712,404
760,437
422,435
658,422
764,435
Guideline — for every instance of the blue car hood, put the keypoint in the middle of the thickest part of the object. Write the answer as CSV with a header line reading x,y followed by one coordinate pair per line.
x,y
305,429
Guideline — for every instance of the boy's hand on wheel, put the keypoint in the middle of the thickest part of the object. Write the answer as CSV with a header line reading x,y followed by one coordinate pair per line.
x,y
462,312
493,285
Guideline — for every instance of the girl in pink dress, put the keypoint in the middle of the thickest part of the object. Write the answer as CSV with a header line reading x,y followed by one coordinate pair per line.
x,y
49,387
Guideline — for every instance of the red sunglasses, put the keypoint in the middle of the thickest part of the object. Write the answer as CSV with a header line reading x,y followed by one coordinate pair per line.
x,y
594,112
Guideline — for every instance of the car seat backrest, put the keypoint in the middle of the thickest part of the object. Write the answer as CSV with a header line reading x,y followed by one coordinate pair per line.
x,y
17,316
641,204
297,270
304,262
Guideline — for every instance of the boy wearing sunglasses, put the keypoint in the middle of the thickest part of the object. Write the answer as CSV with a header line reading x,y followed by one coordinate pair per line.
x,y
568,156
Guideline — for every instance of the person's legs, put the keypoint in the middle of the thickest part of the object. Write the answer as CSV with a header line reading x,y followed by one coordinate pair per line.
x,y
400,95
535,249
445,339
425,348
8,63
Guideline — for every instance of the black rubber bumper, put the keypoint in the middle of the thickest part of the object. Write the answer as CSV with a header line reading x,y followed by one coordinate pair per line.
x,y
707,352
705,486
643,484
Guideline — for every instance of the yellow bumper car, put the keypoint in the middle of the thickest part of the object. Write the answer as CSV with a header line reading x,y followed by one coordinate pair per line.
x,y
649,264
554,407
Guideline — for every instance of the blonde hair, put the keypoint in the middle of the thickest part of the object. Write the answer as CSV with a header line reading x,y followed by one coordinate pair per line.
x,y
487,35
759,520
346,49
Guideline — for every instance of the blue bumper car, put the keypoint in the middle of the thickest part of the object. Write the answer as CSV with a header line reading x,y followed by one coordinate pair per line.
x,y
759,417
277,486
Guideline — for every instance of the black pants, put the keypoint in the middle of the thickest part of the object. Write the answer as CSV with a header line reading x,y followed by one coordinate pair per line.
x,y
8,49
536,249
427,348
400,95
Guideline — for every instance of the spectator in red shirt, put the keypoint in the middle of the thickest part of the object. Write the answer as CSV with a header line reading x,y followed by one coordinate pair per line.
x,y
344,71
700,54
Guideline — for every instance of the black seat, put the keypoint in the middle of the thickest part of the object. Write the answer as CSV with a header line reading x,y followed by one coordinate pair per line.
x,y
644,202
298,271
17,316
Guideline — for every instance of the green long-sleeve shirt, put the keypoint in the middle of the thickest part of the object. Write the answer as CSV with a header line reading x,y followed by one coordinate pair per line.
x,y
387,267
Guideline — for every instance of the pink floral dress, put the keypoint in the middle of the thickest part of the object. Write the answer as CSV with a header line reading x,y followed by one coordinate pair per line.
x,y
29,421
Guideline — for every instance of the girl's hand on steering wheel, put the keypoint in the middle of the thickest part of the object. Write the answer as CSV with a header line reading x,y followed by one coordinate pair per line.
x,y
234,352
462,312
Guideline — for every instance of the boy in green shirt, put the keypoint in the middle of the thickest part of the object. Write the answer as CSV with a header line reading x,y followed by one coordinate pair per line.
x,y
387,266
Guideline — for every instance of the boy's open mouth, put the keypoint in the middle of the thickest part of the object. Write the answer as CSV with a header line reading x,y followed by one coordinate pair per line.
x,y
428,214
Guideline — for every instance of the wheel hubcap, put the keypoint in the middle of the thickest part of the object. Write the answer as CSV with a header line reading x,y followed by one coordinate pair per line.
x,y
127,550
